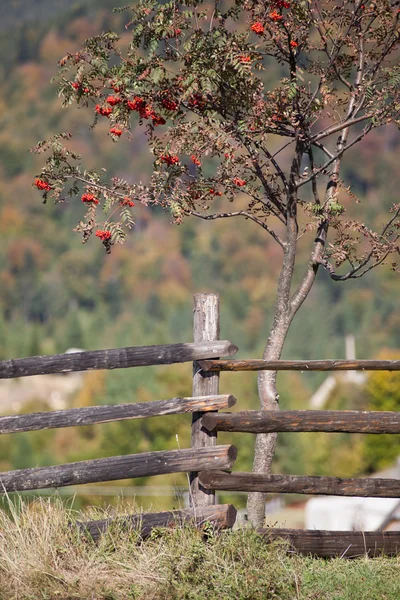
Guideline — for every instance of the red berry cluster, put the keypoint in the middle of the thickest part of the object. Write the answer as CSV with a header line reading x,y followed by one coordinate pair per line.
x,y
89,198
105,111
42,185
145,111
116,131
275,16
282,4
170,159
239,182
126,202
197,101
195,160
103,235
258,28
169,104
113,100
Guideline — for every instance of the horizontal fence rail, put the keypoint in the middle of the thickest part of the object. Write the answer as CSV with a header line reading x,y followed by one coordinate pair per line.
x,y
222,516
347,544
300,365
328,421
118,467
116,358
91,415
293,484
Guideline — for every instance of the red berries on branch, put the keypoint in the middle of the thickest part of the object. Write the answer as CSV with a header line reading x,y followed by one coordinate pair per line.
x,y
258,28
239,182
214,192
116,131
136,104
87,197
77,86
170,159
113,100
42,185
275,16
169,104
104,111
145,111
293,44
126,202
103,235
195,160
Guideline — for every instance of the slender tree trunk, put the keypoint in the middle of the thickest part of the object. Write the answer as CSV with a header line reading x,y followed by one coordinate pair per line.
x,y
269,400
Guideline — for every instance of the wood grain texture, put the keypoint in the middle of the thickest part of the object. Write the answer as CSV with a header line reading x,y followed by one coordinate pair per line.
x,y
215,366
118,467
328,421
347,544
91,415
206,325
293,484
116,358
222,516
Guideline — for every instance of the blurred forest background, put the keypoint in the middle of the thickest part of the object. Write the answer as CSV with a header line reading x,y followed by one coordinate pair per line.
x,y
56,293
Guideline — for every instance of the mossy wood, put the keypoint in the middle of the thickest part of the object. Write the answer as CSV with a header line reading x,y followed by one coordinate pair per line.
x,y
221,516
214,365
293,484
92,415
346,544
328,421
118,467
116,358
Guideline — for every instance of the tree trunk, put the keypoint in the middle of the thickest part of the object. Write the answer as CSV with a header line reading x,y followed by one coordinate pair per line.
x,y
269,400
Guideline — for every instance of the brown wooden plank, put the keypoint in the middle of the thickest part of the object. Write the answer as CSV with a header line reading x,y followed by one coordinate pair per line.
x,y
215,365
293,484
347,544
91,415
329,421
206,323
116,358
222,516
118,467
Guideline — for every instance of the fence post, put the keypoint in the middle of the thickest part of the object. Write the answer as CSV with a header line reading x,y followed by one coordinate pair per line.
x,y
206,322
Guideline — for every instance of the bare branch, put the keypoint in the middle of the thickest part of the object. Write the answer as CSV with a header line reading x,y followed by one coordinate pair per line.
x,y
238,213
276,165
335,157
339,127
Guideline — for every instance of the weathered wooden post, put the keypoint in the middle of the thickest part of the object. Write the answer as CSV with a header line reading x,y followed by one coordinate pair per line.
x,y
206,322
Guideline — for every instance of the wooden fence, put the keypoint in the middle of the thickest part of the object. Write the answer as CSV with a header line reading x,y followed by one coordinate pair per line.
x,y
209,465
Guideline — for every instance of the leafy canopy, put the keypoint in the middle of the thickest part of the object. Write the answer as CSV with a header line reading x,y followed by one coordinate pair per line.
x,y
196,77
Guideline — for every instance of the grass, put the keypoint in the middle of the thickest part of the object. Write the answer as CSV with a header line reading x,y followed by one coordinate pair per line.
x,y
44,556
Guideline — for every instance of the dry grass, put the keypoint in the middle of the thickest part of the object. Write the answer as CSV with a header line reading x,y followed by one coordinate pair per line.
x,y
43,555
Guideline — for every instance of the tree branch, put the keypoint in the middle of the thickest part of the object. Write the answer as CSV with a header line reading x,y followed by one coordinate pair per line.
x,y
335,157
338,127
238,213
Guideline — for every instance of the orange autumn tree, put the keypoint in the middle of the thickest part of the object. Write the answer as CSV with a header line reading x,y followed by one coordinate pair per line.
x,y
195,76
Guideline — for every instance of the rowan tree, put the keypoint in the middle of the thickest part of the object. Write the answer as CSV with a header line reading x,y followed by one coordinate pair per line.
x,y
195,76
